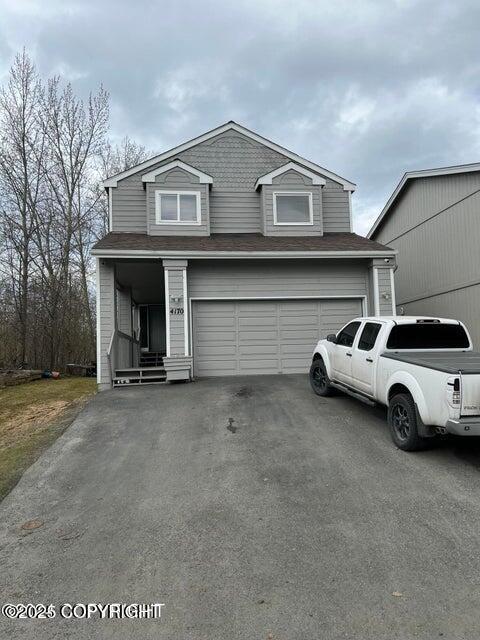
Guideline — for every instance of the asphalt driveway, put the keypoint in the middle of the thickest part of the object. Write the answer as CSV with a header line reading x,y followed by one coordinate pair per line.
x,y
254,510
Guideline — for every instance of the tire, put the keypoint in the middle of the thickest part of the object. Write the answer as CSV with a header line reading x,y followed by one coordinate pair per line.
x,y
402,420
319,380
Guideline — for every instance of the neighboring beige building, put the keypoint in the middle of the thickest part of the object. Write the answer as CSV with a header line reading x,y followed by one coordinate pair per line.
x,y
433,220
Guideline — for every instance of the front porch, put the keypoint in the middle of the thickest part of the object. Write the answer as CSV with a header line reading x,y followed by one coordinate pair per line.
x,y
141,322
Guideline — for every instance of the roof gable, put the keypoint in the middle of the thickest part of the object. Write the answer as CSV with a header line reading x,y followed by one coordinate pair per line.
x,y
113,181
411,175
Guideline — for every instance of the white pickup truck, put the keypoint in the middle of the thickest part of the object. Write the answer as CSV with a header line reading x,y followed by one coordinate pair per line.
x,y
423,369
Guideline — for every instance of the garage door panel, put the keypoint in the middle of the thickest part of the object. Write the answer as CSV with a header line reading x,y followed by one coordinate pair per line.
x,y
297,321
258,350
263,337
257,337
259,365
210,323
209,337
212,351
255,321
293,365
254,308
296,349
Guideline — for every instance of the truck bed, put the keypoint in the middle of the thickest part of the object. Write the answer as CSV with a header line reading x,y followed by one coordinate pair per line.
x,y
464,362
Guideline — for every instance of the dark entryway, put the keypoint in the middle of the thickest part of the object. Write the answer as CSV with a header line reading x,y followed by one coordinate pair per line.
x,y
152,328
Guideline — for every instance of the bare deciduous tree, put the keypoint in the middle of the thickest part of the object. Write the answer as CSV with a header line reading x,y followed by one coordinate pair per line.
x,y
114,159
21,172
53,155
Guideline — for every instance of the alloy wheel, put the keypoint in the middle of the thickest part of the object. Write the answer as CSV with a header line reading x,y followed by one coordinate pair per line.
x,y
319,377
401,421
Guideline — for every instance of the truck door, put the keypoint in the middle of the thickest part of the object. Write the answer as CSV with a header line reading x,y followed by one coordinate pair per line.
x,y
342,352
365,357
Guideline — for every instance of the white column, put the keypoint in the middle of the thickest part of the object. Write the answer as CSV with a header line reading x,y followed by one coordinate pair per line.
x,y
178,360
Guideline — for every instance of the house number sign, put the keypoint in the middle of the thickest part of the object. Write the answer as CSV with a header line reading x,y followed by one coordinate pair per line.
x,y
176,311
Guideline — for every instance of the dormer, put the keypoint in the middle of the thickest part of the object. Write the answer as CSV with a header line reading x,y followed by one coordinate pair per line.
x,y
291,201
177,197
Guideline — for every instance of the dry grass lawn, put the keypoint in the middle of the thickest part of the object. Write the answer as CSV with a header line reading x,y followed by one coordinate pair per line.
x,y
32,416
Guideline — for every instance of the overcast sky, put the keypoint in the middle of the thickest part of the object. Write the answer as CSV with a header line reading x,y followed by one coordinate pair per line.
x,y
367,89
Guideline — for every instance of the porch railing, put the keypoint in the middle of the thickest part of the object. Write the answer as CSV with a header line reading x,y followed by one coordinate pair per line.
x,y
123,352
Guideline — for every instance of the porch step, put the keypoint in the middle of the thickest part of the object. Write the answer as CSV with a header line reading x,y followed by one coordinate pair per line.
x,y
139,375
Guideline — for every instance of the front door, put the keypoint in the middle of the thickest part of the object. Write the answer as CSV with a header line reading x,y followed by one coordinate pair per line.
x,y
152,328
156,324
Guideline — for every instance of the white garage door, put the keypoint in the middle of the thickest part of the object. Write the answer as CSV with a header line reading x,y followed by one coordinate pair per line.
x,y
271,336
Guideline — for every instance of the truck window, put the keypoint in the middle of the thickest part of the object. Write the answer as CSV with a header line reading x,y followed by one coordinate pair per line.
x,y
369,336
428,336
347,335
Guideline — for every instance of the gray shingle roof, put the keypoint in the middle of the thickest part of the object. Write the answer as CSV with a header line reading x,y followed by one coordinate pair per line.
x,y
238,242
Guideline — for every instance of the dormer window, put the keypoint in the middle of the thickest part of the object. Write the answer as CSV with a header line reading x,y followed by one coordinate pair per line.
x,y
292,208
177,207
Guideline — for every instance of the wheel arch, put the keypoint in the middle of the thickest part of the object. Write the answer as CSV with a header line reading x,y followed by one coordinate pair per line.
x,y
402,382
321,353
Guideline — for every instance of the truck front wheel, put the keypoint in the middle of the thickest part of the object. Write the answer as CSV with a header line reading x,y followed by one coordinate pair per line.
x,y
319,379
402,420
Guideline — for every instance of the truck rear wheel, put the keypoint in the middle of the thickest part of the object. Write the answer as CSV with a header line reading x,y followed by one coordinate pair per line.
x,y
402,420
319,380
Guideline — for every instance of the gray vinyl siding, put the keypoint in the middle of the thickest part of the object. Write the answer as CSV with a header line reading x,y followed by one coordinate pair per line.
x,y
124,311
106,294
234,211
177,180
177,326
462,304
440,254
385,289
257,278
264,336
235,162
288,182
435,227
336,208
129,212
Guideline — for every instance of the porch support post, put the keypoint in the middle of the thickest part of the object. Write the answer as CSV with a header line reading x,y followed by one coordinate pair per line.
x,y
178,361
105,293
383,286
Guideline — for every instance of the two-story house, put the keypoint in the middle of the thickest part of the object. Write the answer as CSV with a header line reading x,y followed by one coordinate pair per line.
x,y
229,255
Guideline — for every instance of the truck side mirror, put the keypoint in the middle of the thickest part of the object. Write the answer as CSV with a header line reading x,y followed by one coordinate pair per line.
x,y
332,338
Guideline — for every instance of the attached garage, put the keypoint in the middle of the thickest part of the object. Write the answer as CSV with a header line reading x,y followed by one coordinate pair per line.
x,y
233,337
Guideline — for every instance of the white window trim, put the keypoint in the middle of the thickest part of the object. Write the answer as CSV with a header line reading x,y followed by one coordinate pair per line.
x,y
292,193
203,178
290,166
159,193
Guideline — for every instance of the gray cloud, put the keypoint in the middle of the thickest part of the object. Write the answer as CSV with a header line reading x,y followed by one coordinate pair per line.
x,y
368,89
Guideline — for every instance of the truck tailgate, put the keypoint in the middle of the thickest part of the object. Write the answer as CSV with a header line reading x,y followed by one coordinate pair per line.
x,y
470,386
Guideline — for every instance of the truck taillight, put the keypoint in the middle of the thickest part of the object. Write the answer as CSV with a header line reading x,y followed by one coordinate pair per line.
x,y
453,392
456,391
